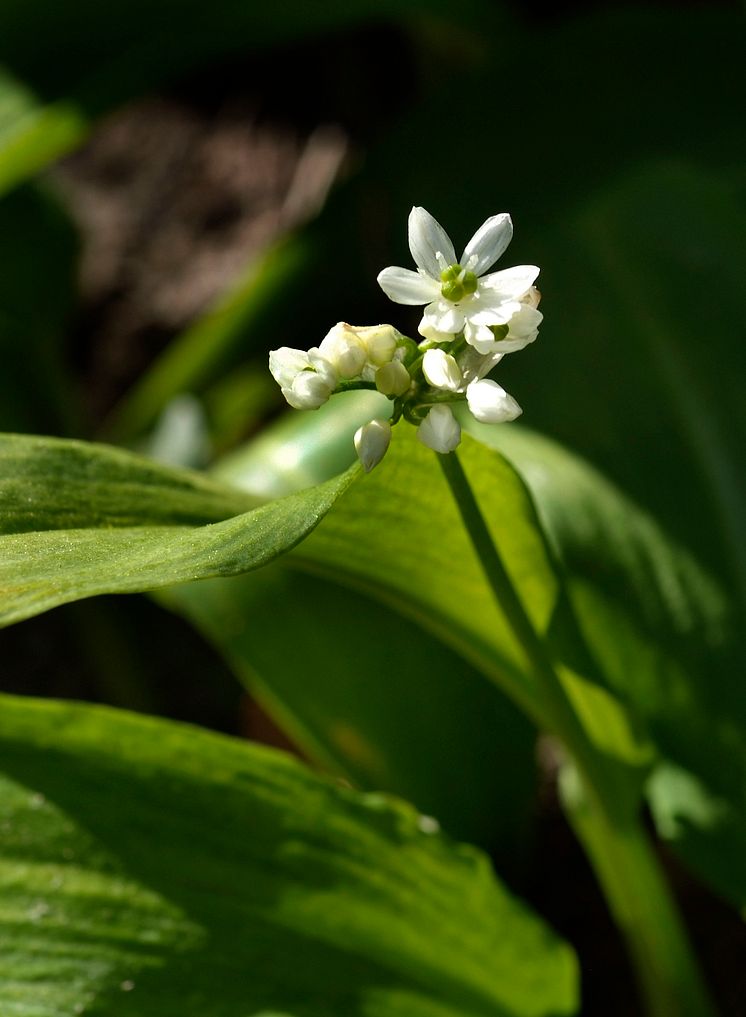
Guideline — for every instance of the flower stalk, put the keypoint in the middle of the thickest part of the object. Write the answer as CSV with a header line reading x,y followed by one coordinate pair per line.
x,y
609,828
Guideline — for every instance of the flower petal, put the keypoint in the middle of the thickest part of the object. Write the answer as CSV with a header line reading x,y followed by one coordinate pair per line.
x,y
406,287
427,238
511,283
443,317
488,243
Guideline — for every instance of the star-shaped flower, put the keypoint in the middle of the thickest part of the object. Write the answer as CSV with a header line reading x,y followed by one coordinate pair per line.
x,y
459,296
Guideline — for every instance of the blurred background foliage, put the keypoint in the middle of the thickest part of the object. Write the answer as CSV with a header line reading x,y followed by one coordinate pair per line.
x,y
184,187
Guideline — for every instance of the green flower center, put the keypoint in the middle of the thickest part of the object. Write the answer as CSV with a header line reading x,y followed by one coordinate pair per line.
x,y
457,283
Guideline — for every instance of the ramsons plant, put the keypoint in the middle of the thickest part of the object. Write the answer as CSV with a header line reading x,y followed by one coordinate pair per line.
x,y
498,587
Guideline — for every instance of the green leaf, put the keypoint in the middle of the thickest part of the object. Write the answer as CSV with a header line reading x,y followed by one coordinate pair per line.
x,y
601,597
33,134
374,698
126,525
58,484
703,828
360,688
146,865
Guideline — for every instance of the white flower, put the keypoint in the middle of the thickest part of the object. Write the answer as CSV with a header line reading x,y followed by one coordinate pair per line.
x,y
458,295
371,442
490,403
307,379
440,430
442,371
393,379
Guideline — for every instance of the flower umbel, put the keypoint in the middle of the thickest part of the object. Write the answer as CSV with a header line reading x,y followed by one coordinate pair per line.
x,y
471,321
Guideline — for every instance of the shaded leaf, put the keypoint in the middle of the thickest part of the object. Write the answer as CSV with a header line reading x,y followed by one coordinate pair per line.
x,y
143,862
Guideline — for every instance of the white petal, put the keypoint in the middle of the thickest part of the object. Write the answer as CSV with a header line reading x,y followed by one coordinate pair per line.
x,y
440,430
488,243
427,239
480,336
371,442
308,391
323,367
285,363
441,370
510,283
490,403
444,317
475,365
406,287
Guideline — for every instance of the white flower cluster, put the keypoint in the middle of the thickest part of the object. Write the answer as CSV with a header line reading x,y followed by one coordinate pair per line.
x,y
470,322
370,354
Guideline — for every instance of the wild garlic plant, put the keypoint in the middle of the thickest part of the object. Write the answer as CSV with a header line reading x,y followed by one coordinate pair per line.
x,y
470,322
472,319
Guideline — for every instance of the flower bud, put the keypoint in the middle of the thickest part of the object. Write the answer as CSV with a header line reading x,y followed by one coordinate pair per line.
x,y
490,403
393,379
440,430
371,443
344,350
308,391
380,342
441,370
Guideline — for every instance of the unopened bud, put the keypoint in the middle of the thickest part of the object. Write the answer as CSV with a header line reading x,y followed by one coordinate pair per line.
x,y
393,379
490,403
371,442
440,430
441,370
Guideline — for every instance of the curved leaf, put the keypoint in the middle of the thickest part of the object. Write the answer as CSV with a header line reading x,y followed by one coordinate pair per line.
x,y
43,568
142,863
56,484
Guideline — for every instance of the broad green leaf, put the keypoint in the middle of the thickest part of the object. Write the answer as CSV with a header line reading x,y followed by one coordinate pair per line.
x,y
359,687
58,484
592,604
146,865
108,547
374,698
660,630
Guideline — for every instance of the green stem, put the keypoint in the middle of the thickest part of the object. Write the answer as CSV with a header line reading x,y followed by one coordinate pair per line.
x,y
612,833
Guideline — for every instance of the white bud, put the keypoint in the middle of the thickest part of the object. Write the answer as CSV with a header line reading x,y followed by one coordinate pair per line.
x,y
490,403
380,341
441,370
308,391
393,379
344,350
286,363
440,430
371,443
